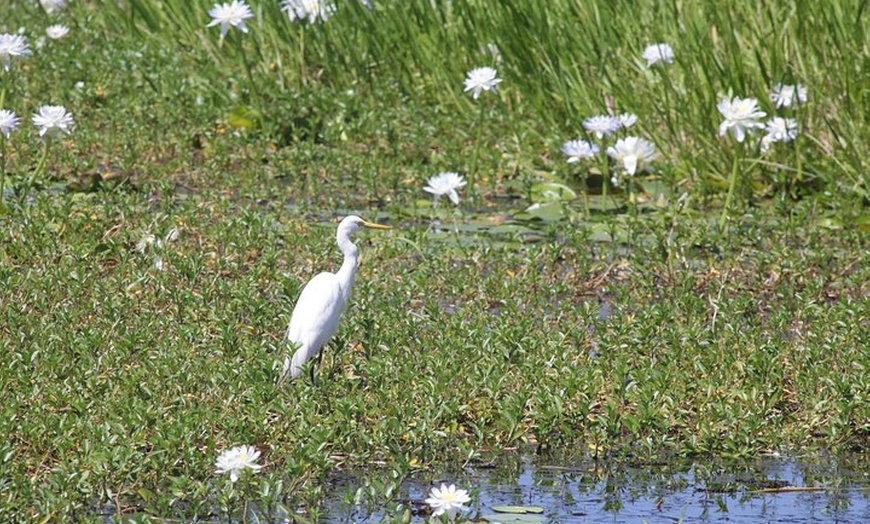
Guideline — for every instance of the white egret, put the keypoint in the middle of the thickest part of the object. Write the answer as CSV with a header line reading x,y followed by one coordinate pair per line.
x,y
323,300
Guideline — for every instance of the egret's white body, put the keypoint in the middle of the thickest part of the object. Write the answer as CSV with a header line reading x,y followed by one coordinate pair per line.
x,y
323,300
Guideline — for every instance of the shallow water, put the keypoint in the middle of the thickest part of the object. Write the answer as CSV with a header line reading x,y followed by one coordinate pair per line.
x,y
699,492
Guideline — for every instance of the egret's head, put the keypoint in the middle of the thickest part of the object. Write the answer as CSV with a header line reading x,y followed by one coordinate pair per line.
x,y
355,223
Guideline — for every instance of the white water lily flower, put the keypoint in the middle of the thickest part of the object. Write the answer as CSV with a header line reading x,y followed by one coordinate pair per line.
x,y
8,122
229,15
481,79
602,126
236,460
632,153
779,130
57,31
579,149
12,46
658,53
312,10
52,6
53,120
448,500
741,115
626,120
787,96
445,184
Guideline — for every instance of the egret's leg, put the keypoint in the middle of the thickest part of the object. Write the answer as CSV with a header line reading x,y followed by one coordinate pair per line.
x,y
314,366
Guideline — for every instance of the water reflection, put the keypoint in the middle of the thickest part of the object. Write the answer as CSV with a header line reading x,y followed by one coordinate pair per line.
x,y
673,492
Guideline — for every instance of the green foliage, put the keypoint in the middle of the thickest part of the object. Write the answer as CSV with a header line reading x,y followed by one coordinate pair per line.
x,y
134,356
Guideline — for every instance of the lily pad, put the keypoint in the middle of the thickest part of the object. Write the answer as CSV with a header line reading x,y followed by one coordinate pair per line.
x,y
515,518
549,212
552,192
518,509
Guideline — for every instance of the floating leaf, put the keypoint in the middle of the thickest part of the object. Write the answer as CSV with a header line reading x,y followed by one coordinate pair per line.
x,y
518,509
549,212
552,192
515,518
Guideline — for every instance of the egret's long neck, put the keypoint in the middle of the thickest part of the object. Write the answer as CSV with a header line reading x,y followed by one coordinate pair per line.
x,y
347,273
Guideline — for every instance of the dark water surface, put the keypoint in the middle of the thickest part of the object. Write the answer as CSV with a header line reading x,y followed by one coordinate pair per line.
x,y
693,492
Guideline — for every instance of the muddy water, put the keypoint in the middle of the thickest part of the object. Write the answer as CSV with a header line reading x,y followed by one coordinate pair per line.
x,y
589,492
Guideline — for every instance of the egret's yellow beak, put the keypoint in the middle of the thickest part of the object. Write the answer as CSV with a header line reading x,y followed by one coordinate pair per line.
x,y
372,225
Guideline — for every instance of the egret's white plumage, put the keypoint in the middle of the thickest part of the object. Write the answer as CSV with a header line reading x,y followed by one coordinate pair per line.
x,y
323,300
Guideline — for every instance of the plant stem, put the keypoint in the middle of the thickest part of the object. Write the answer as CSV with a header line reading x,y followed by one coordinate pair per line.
x,y
800,170
2,171
732,182
605,180
302,75
248,68
632,198
40,166
586,192
472,173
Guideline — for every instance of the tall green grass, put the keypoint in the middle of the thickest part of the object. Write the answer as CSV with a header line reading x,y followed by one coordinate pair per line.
x,y
562,61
